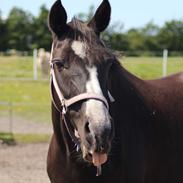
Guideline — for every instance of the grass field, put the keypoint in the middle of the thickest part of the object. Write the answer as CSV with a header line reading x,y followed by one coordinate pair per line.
x,y
151,67
31,99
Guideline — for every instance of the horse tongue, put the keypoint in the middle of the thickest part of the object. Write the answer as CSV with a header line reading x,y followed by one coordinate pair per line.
x,y
99,159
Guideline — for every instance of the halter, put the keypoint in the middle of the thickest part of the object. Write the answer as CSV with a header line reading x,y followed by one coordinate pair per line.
x,y
65,103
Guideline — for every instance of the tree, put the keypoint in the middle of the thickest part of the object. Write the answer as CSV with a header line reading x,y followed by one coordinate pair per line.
x,y
135,38
149,34
42,37
112,35
171,36
118,41
3,37
19,25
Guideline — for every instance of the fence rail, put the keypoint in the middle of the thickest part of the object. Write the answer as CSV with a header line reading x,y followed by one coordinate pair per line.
x,y
34,72
9,108
14,121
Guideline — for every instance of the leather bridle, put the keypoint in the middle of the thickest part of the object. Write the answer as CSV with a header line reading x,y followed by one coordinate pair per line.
x,y
65,103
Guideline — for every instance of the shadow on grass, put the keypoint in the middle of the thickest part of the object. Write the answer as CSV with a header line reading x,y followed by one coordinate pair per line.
x,y
13,139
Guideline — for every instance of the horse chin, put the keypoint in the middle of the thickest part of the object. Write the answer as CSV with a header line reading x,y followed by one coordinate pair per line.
x,y
94,158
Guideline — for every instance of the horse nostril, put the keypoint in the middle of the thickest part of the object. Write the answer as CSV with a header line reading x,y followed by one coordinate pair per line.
x,y
87,128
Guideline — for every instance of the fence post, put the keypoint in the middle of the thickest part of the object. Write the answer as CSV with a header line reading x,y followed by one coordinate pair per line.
x,y
35,64
11,117
165,61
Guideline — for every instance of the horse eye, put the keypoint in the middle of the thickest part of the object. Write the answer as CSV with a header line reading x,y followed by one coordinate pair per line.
x,y
60,65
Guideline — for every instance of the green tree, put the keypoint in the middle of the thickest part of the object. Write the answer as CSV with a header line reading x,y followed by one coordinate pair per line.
x,y
3,33
149,35
171,36
42,37
135,38
112,36
117,41
19,26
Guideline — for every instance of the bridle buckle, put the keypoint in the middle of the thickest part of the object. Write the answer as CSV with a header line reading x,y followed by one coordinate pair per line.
x,y
64,107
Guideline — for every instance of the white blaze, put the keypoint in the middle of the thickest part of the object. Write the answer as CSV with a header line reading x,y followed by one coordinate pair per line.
x,y
96,111
79,49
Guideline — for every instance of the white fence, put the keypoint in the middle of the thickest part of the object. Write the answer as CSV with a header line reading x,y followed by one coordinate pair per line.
x,y
37,73
165,63
35,63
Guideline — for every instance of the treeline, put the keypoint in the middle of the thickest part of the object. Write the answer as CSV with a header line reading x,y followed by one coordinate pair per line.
x,y
23,32
150,39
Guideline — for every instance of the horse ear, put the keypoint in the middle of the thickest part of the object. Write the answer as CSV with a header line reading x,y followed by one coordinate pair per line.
x,y
101,19
58,19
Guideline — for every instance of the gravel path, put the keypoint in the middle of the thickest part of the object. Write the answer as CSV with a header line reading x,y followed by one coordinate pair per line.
x,y
23,163
24,126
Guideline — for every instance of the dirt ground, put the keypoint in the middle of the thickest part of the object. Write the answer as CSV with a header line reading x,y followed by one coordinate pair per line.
x,y
21,125
23,163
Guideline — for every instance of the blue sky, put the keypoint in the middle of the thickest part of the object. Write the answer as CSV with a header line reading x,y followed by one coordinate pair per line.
x,y
133,13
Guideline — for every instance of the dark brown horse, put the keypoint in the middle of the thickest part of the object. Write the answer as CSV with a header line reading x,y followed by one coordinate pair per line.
x,y
127,129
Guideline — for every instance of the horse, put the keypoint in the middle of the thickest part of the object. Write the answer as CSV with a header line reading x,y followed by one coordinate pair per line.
x,y
43,61
109,125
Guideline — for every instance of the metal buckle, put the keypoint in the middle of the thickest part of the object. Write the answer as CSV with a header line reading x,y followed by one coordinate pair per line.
x,y
64,107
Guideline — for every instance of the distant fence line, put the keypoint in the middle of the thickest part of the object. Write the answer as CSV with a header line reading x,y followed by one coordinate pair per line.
x,y
10,115
9,108
138,53
15,53
119,53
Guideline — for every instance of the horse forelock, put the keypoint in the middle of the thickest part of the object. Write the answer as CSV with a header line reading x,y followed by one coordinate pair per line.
x,y
81,32
86,44
81,42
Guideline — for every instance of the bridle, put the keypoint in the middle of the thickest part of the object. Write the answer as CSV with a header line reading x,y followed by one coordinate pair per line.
x,y
65,103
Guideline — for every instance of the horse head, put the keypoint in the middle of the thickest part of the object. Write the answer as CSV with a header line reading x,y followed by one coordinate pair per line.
x,y
82,66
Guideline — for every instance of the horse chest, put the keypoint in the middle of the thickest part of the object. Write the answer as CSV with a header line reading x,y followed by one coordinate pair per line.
x,y
82,177
71,173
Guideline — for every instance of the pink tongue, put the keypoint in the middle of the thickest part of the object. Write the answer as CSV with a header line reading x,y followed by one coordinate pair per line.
x,y
99,159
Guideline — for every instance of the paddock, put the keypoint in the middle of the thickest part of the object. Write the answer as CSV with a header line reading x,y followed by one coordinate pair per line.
x,y
29,158
23,163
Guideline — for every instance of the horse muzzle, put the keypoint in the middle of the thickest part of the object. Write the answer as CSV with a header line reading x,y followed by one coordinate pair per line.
x,y
97,144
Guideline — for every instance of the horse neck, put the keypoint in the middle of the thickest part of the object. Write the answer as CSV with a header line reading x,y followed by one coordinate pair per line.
x,y
124,85
130,108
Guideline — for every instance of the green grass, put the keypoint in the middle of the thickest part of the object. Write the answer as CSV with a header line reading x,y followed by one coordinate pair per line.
x,y
151,67
18,67
31,99
12,139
